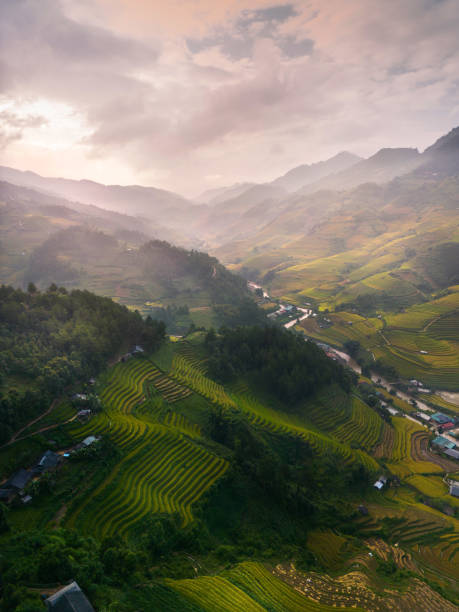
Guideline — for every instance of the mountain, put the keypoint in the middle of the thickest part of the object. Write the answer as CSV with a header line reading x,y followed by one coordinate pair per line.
x,y
46,240
215,196
443,156
157,205
380,168
305,174
240,215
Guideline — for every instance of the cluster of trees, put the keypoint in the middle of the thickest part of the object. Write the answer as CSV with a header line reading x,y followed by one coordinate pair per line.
x,y
227,292
50,339
275,359
46,266
53,557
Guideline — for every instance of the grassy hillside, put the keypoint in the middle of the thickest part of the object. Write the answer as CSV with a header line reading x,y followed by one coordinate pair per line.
x,y
202,494
384,254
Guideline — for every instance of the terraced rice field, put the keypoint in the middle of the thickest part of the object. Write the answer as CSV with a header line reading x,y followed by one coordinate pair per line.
x,y
432,486
386,443
364,427
404,460
440,559
191,374
420,315
161,470
169,388
275,421
355,590
446,328
249,587
349,422
328,548
420,452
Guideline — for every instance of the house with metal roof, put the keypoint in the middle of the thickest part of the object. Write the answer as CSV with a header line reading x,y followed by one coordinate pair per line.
x,y
440,418
49,461
454,489
89,440
69,599
452,453
443,442
19,480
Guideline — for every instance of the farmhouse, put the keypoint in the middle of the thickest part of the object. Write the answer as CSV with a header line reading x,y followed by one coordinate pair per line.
x,y
447,426
380,482
443,442
69,598
440,418
49,461
452,453
392,411
454,489
19,480
89,440
82,397
424,416
137,349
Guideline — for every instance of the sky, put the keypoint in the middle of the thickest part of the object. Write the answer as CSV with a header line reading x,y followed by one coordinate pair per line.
x,y
189,95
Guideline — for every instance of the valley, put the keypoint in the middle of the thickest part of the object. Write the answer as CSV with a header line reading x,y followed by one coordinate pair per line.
x,y
274,432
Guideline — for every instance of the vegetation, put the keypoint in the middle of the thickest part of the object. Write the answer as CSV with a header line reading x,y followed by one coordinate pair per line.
x,y
50,340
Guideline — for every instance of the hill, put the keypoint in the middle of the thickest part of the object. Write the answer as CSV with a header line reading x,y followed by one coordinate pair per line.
x,y
204,488
303,175
47,240
162,207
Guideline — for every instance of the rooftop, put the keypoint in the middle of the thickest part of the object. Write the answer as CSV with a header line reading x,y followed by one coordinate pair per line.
x,y
69,599
441,441
19,479
454,489
441,418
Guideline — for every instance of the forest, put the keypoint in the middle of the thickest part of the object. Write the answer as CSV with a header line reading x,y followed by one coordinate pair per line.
x,y
51,339
274,359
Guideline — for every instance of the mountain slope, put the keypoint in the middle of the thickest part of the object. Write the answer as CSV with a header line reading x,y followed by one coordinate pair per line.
x,y
154,204
382,167
305,174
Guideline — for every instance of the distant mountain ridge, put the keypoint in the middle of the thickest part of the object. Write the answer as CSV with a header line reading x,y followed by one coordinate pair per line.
x,y
305,174
159,205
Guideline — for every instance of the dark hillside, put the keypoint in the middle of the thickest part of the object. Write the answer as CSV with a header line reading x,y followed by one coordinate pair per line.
x,y
51,339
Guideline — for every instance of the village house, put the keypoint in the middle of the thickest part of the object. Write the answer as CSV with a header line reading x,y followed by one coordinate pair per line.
x,y
443,442
19,480
454,489
382,480
82,397
440,418
83,415
451,452
446,426
71,597
49,462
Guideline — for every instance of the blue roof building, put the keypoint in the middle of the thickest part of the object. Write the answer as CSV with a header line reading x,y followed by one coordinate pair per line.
x,y
440,418
443,442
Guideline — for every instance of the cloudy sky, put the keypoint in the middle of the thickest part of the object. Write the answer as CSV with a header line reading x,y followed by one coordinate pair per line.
x,y
195,94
